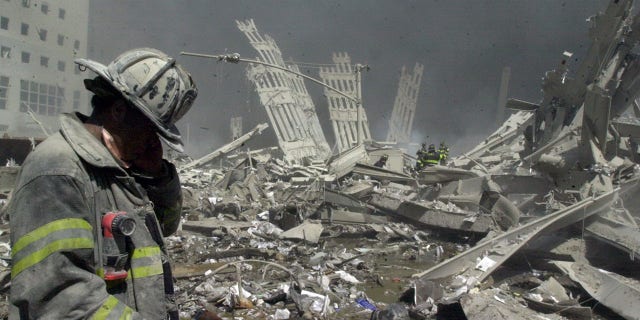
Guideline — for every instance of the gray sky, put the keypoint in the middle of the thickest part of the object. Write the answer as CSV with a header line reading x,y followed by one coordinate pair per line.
x,y
463,45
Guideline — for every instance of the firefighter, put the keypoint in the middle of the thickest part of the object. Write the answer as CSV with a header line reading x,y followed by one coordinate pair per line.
x,y
432,157
421,157
382,162
93,201
443,150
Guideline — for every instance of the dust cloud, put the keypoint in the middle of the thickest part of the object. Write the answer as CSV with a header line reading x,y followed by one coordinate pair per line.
x,y
463,45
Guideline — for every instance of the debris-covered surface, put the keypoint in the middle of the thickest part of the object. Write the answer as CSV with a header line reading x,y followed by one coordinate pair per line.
x,y
538,221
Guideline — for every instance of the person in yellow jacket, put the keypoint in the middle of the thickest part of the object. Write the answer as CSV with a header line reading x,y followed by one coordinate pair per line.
x,y
443,150
432,156
93,201
421,155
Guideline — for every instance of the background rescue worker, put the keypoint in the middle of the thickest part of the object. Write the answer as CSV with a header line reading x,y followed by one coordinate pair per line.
x,y
443,150
107,165
432,157
382,162
421,156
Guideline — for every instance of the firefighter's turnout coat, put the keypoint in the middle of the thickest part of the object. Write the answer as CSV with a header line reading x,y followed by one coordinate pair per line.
x,y
65,186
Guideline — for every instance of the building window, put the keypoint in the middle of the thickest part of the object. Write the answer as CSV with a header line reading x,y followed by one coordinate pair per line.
x,y
76,100
44,8
43,34
26,56
43,107
4,23
44,61
24,96
24,29
61,13
41,98
60,40
61,65
4,87
5,52
76,44
60,100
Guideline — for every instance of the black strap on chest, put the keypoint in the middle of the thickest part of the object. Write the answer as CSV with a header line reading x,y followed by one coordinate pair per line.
x,y
101,192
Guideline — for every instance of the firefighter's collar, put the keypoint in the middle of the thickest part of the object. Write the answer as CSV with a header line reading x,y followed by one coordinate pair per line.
x,y
86,146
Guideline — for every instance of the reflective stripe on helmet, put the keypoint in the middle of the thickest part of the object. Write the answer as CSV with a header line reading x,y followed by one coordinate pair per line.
x,y
141,91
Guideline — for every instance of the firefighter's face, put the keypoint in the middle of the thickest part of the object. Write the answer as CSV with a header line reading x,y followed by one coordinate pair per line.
x,y
134,133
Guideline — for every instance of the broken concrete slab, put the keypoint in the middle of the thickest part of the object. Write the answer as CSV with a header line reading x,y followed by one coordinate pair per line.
x,y
481,260
618,293
207,226
569,309
387,202
342,164
496,304
348,217
427,215
624,236
382,174
342,200
442,174
396,158
551,297
358,189
307,231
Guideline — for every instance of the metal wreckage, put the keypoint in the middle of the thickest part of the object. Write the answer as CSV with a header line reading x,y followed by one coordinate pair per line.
x,y
538,221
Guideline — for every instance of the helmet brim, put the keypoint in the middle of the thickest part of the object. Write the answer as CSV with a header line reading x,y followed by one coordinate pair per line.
x,y
96,67
173,143
170,135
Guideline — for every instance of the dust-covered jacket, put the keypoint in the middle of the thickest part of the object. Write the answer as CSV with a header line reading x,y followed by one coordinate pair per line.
x,y
65,185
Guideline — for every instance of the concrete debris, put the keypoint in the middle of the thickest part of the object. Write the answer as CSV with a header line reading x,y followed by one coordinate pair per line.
x,y
495,303
617,292
395,311
308,232
551,297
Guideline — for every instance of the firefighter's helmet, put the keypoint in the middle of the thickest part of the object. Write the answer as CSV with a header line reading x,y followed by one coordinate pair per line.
x,y
153,83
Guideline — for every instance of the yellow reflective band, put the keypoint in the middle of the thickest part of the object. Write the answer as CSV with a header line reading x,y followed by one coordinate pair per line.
x,y
105,308
62,224
145,252
36,257
108,306
147,271
100,272
126,314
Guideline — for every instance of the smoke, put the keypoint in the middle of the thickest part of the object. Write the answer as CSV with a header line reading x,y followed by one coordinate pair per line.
x,y
463,45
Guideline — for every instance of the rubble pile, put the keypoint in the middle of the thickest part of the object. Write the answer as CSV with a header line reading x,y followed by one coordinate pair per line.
x,y
537,221
295,241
